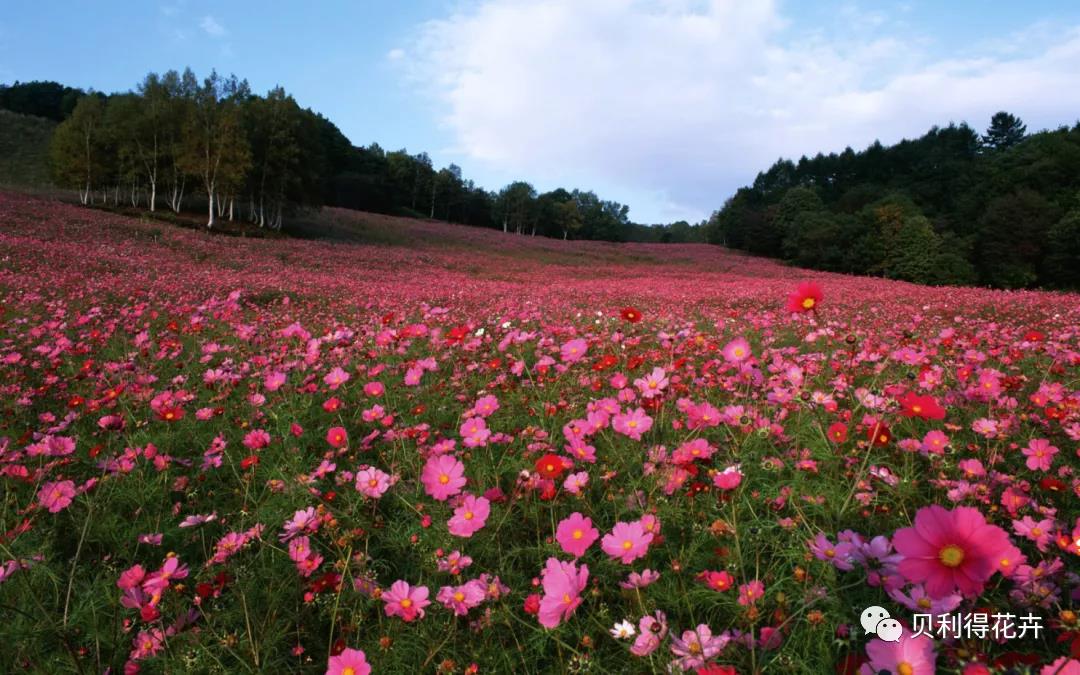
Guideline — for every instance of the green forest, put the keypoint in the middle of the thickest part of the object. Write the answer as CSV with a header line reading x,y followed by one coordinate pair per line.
x,y
1000,209
175,142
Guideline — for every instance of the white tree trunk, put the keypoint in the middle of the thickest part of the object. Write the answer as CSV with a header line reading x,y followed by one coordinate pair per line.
x,y
210,195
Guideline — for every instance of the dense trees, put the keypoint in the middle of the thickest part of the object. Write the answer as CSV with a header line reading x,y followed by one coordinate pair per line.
x,y
216,145
950,207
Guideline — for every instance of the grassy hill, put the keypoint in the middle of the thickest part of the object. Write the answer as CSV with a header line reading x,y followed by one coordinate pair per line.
x,y
24,149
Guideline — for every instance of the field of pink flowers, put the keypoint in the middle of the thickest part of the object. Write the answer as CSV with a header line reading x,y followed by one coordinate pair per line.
x,y
437,449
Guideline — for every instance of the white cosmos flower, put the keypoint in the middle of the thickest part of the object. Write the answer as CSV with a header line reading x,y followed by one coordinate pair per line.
x,y
624,630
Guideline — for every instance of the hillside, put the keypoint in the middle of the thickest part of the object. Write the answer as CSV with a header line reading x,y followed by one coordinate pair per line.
x,y
24,150
420,446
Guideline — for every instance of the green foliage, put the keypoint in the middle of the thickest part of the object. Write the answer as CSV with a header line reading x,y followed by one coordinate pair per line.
x,y
946,208
24,149
50,100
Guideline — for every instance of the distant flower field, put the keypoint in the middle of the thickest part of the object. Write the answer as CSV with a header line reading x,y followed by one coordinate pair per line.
x,y
444,450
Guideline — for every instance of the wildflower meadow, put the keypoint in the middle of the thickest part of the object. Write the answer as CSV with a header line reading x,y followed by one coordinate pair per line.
x,y
438,449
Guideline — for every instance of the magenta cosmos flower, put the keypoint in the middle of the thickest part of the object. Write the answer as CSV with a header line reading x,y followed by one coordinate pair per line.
x,y
348,662
56,496
470,516
574,350
737,350
627,542
948,551
563,583
405,601
909,656
460,599
632,424
443,477
576,534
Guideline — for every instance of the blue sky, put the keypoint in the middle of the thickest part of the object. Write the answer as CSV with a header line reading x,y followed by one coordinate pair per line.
x,y
667,106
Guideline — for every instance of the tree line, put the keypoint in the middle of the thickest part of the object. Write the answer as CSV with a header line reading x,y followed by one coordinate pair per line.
x,y
175,141
950,207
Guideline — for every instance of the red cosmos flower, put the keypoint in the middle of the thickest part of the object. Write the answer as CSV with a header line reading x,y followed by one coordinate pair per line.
x,y
879,434
457,334
631,314
607,361
550,466
837,432
924,407
171,414
805,298
249,461
634,362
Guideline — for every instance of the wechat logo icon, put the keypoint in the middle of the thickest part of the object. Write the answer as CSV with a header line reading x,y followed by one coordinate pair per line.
x,y
876,620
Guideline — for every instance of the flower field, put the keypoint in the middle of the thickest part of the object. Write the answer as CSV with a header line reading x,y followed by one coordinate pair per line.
x,y
439,449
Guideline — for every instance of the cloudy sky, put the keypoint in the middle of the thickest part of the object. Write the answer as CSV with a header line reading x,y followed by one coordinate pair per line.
x,y
667,106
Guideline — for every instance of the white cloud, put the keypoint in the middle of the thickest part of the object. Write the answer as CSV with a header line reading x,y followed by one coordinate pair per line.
x,y
395,54
685,100
212,27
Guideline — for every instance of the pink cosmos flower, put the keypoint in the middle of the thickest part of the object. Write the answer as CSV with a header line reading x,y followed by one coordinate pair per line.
x,y
372,482
407,602
919,602
256,439
1040,454
443,477
301,522
652,629
576,534
348,662
475,432
485,406
563,584
632,424
574,350
56,496
653,384
627,542
374,388
575,482
934,442
460,599
691,451
839,554
737,350
697,646
1038,532
729,478
470,516
950,550
274,381
635,580
910,656
336,377
751,593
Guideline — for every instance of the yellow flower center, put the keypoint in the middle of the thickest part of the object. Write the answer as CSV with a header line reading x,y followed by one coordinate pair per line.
x,y
904,668
632,424
578,534
459,596
923,603
566,598
468,515
739,352
373,482
808,303
406,603
951,555
348,671
830,553
444,479
627,545
694,647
